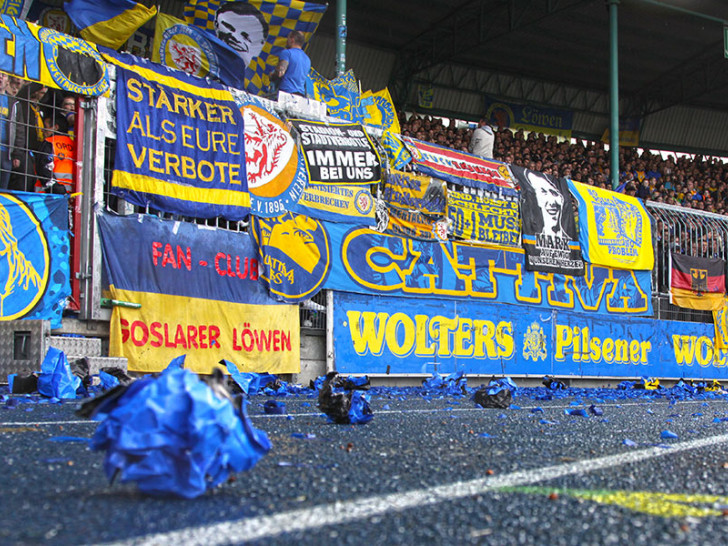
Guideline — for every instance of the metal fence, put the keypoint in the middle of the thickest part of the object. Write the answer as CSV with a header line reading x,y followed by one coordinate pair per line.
x,y
312,312
682,230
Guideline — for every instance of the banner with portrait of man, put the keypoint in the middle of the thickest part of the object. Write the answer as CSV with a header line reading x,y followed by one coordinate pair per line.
x,y
256,29
549,229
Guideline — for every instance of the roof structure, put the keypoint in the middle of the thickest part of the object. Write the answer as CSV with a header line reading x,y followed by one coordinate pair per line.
x,y
671,52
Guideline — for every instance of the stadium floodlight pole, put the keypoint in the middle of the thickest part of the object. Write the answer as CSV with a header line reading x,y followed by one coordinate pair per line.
x,y
340,37
613,95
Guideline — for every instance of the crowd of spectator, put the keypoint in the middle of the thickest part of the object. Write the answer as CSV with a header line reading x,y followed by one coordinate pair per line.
x,y
696,182
37,147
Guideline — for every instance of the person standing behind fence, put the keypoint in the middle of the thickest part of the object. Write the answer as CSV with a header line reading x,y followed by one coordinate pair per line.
x,y
54,160
293,65
26,135
481,143
5,163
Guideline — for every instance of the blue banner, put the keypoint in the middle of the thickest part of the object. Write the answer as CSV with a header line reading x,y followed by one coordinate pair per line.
x,y
180,143
421,336
35,257
181,259
365,261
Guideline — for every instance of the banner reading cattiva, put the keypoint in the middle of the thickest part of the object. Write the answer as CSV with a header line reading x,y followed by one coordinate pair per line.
x,y
199,294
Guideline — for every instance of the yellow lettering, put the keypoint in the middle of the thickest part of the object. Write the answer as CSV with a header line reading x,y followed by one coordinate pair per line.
x,y
595,349
187,136
207,165
136,123
234,173
171,164
212,113
421,347
646,348
367,331
180,105
227,114
484,345
137,159
218,138
133,91
233,144
607,350
170,137
620,350
188,167
463,343
563,340
704,351
634,351
155,161
392,334
445,326
162,100
684,349
504,336
196,108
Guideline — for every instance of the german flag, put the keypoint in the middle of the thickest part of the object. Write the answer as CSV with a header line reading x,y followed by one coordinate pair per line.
x,y
697,283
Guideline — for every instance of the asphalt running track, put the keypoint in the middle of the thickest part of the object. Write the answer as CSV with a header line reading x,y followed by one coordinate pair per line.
x,y
438,471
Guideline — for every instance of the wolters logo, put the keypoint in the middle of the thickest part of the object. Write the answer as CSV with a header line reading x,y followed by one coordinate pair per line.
x,y
24,258
534,343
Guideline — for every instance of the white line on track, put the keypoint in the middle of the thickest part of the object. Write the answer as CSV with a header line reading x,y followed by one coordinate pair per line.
x,y
343,512
377,412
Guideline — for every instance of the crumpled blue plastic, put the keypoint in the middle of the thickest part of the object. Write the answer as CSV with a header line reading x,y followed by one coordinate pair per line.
x,y
497,385
55,379
250,383
455,384
273,407
360,412
668,435
173,435
108,381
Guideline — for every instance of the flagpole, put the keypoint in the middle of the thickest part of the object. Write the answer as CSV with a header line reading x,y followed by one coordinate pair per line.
x,y
340,37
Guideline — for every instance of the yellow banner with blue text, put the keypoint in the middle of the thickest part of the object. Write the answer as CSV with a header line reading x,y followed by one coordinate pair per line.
x,y
614,229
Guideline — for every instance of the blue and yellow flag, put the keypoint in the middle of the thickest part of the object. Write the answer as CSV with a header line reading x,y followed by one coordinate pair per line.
x,y
36,276
195,51
614,229
108,22
397,154
378,111
281,17
720,318
15,8
341,95
180,142
52,58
